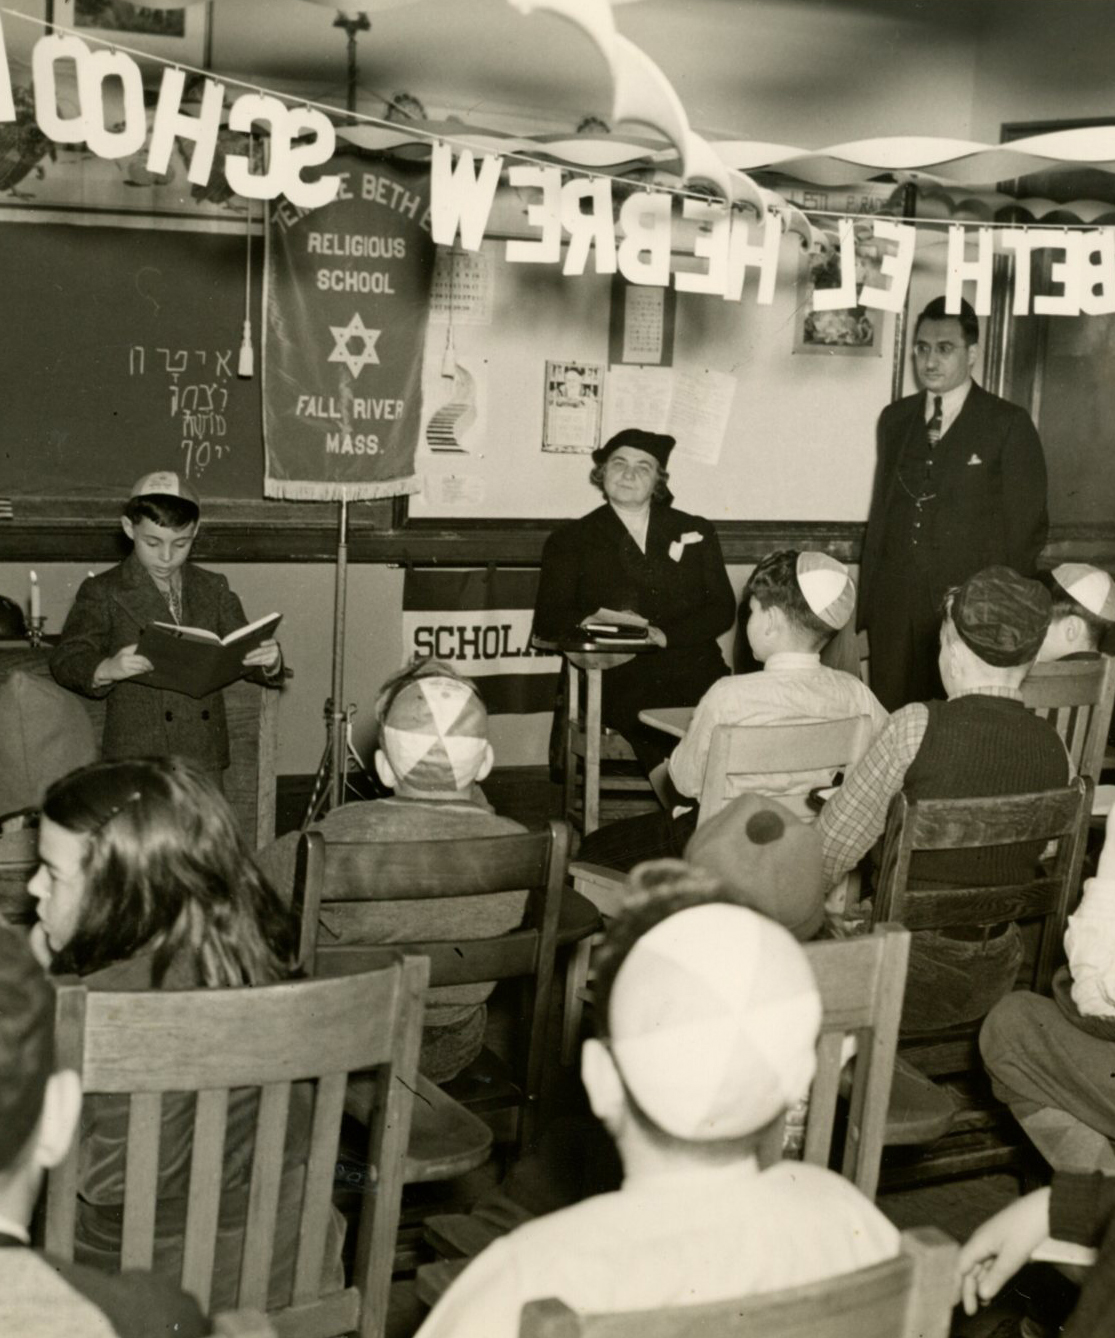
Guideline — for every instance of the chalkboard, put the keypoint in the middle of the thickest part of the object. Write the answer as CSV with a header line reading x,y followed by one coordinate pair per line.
x,y
120,350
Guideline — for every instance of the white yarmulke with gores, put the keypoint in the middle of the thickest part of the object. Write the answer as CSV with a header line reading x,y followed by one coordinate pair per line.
x,y
435,734
1091,587
826,587
713,1019
164,483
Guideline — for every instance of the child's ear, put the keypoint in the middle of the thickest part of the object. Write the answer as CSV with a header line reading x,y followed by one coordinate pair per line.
x,y
128,528
602,1083
384,770
486,764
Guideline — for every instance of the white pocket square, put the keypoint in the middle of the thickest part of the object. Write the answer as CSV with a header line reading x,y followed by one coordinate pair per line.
x,y
678,546
974,459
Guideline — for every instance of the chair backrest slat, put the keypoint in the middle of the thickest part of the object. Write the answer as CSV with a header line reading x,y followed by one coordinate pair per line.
x,y
140,1179
203,1202
740,750
263,1194
909,1296
320,1172
822,1099
269,1038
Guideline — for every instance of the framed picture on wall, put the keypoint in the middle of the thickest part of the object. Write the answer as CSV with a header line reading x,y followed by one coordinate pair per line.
x,y
847,331
173,34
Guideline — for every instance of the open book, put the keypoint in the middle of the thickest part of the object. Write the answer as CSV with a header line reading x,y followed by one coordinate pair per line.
x,y
196,661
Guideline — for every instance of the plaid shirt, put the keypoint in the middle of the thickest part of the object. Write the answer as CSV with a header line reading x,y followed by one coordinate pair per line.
x,y
856,815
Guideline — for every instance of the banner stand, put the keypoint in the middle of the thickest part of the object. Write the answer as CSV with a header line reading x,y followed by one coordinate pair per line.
x,y
332,773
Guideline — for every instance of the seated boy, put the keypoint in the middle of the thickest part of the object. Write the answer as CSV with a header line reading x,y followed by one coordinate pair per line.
x,y
1052,1060
433,750
39,1112
96,654
982,741
1083,611
708,1016
797,602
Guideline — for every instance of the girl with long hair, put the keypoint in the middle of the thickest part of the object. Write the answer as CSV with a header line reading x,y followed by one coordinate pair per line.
x,y
145,883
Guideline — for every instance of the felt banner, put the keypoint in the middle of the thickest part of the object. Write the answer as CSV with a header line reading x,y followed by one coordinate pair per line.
x,y
346,298
478,620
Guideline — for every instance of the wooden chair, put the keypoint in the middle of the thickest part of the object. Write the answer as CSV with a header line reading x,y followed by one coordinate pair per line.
x,y
1057,817
861,982
735,751
146,1044
910,1296
1077,697
338,883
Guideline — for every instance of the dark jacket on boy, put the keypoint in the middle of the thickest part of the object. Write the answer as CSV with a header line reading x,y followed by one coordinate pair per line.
x,y
109,612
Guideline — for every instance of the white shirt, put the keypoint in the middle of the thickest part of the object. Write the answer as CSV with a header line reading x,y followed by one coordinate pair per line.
x,y
671,1240
793,688
952,401
1090,948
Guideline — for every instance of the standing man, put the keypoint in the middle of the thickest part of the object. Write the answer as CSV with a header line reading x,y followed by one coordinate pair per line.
x,y
959,486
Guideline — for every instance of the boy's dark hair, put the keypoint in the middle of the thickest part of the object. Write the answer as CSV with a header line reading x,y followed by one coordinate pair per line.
x,y
1064,605
969,321
657,890
774,583
162,509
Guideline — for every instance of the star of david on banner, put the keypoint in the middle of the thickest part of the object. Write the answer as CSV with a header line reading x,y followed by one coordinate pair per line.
x,y
346,299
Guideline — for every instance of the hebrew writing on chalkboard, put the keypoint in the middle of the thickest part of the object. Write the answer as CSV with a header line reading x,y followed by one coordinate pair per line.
x,y
125,361
572,417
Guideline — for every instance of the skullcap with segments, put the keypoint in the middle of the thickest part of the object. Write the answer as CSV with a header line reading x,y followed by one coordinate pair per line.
x,y
435,734
827,587
713,1022
164,483
26,1042
1091,587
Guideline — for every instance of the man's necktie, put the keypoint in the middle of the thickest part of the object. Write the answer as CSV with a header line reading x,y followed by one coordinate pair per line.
x,y
174,600
933,427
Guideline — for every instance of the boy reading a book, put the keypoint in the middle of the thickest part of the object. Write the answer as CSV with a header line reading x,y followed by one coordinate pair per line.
x,y
96,654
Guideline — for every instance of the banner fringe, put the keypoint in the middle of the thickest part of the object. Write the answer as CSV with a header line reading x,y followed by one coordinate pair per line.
x,y
318,490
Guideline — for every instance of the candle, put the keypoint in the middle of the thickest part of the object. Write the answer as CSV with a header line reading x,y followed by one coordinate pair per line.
x,y
36,598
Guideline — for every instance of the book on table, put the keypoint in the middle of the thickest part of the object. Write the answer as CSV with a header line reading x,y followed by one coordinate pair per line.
x,y
196,661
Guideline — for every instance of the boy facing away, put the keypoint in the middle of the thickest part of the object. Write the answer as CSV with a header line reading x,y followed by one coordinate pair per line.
x,y
433,751
96,654
708,1016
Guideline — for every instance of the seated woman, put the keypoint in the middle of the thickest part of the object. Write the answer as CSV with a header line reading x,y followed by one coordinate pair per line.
x,y
637,555
144,883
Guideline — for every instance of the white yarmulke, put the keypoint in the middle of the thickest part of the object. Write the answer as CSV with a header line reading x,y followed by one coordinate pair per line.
x,y
166,483
436,734
827,588
1089,586
713,1020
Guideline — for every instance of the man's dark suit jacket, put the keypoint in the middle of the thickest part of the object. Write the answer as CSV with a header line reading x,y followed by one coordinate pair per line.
x,y
988,508
109,612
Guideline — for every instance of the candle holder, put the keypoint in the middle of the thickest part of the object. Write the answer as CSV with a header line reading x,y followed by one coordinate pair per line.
x,y
35,628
